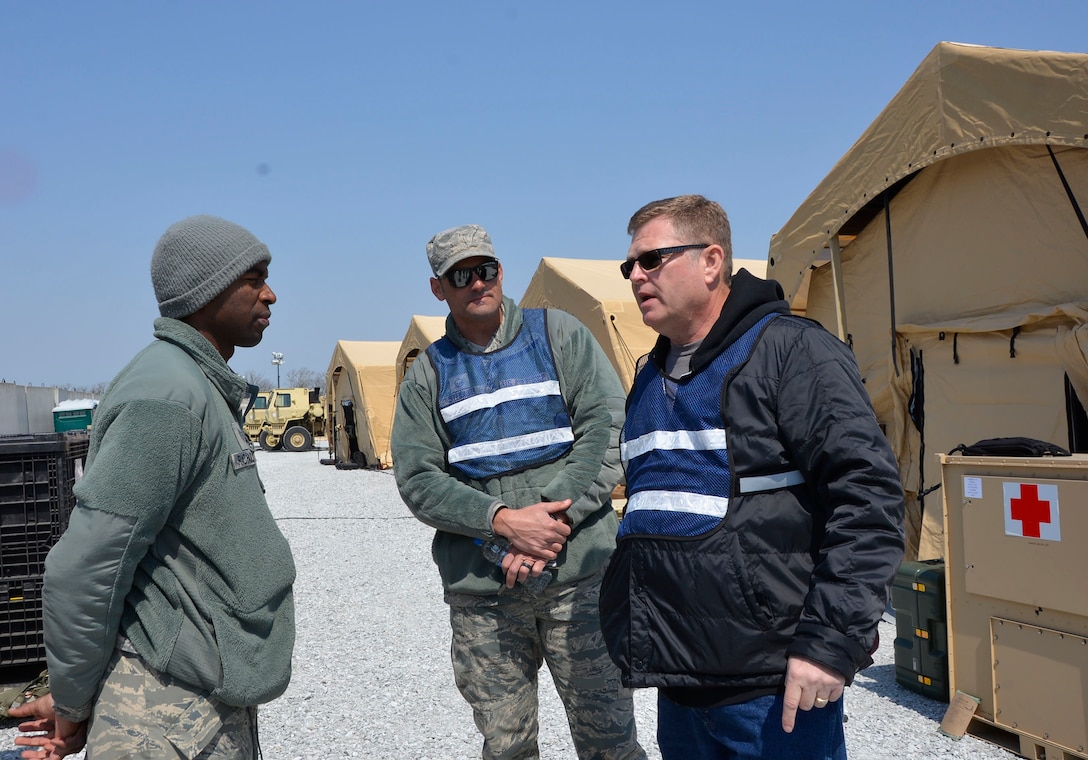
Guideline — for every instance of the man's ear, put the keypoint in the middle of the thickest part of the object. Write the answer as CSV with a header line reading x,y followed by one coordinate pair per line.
x,y
436,288
713,262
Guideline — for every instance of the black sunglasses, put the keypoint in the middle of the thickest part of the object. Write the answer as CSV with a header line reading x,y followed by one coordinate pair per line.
x,y
651,260
460,278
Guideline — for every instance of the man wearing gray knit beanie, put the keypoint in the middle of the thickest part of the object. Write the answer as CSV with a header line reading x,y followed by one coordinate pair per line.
x,y
197,258
163,641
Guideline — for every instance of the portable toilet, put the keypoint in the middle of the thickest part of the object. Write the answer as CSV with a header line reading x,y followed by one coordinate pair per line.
x,y
73,414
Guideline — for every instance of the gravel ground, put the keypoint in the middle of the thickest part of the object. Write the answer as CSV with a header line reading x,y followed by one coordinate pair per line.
x,y
372,677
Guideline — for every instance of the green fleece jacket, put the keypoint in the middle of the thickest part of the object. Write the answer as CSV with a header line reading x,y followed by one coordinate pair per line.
x,y
461,509
171,543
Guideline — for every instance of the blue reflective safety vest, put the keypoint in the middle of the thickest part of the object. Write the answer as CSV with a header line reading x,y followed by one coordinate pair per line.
x,y
674,448
504,409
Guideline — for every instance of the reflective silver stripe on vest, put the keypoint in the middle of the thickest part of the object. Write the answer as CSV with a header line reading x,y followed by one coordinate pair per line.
x,y
690,440
488,400
508,445
678,501
757,483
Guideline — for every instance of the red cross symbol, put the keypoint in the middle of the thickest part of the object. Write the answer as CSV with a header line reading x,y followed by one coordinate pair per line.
x,y
1030,510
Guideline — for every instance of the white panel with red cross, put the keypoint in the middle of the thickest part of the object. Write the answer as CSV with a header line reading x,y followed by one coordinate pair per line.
x,y
1031,510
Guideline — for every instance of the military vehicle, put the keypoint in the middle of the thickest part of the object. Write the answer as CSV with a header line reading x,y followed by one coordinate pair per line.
x,y
257,414
290,419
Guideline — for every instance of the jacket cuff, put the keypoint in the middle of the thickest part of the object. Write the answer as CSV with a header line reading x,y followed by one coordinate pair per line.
x,y
831,649
73,714
491,512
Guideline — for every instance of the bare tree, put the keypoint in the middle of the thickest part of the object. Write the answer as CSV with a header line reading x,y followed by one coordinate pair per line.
x,y
305,378
95,390
259,379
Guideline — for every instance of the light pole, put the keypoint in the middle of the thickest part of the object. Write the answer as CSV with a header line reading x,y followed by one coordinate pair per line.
x,y
277,359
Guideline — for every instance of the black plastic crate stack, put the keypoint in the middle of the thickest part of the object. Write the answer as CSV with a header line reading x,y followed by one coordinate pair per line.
x,y
37,473
921,629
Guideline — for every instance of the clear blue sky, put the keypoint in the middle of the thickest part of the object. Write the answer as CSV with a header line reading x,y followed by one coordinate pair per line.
x,y
345,134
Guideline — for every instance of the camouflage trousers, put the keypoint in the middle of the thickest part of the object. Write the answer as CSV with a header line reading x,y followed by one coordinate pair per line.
x,y
143,714
499,644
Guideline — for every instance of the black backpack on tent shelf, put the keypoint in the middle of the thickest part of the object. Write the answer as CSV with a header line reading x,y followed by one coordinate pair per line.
x,y
1016,446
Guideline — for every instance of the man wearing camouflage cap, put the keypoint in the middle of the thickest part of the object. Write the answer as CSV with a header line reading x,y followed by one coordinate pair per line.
x,y
506,433
168,607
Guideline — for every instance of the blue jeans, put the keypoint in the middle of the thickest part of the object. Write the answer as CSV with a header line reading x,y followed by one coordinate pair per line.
x,y
748,731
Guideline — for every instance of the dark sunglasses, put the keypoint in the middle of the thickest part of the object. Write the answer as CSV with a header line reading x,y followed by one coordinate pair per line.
x,y
651,260
460,278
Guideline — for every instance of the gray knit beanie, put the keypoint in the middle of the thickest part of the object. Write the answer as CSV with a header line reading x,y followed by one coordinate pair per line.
x,y
198,258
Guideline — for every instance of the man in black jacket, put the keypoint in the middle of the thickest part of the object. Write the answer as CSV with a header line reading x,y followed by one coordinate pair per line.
x,y
764,522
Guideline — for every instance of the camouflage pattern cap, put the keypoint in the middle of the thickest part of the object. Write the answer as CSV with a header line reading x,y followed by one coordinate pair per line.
x,y
457,244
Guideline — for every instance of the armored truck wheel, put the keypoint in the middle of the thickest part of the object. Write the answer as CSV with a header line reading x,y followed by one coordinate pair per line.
x,y
297,438
269,441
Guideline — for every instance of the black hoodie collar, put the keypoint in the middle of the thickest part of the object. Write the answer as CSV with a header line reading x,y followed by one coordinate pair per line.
x,y
749,300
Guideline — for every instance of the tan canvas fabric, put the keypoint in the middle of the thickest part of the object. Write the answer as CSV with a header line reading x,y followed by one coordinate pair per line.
x,y
363,372
594,291
422,332
1001,386
758,267
1072,349
984,244
960,99
981,244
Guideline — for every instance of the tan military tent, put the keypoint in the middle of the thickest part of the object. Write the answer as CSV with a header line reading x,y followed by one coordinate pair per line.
x,y
360,391
758,267
422,332
949,248
594,291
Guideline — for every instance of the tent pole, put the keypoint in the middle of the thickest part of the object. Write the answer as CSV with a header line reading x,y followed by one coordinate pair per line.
x,y
840,291
891,275
1068,191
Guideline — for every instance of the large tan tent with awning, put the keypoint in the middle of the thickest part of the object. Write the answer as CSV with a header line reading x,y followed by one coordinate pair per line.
x,y
949,248
360,392
422,332
595,292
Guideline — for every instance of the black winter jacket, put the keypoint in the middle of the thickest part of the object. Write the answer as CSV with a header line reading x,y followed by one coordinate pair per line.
x,y
804,570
